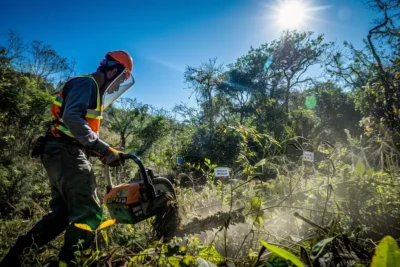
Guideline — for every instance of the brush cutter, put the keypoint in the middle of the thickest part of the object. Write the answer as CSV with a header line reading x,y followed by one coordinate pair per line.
x,y
142,198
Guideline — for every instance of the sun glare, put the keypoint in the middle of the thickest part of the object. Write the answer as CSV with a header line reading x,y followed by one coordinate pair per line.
x,y
291,14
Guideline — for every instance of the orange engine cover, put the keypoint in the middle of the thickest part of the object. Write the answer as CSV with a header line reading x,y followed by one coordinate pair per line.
x,y
123,194
123,203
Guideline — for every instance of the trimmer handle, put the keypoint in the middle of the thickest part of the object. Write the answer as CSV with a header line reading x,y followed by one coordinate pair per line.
x,y
137,160
148,183
124,157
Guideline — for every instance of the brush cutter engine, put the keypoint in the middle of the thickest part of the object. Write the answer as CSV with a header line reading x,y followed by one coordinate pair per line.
x,y
143,198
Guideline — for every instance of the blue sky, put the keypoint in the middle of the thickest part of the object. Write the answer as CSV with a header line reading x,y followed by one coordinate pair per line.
x,y
165,36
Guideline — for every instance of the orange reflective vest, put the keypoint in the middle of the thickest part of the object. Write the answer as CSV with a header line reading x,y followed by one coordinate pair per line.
x,y
93,116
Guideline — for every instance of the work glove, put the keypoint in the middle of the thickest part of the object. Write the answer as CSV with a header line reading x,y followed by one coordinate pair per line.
x,y
107,154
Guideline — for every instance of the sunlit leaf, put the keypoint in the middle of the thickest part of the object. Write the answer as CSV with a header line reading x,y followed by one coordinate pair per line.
x,y
182,250
282,253
106,224
83,227
211,254
387,253
255,203
187,261
260,221
360,168
174,261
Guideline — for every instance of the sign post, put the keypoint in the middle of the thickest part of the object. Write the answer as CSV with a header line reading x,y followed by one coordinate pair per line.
x,y
221,172
308,156
179,160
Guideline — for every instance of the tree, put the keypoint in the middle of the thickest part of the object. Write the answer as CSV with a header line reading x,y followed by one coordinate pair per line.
x,y
294,54
268,74
191,115
233,89
203,80
46,65
373,73
11,52
335,110
126,116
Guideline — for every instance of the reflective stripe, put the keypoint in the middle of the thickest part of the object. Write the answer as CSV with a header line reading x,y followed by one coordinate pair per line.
x,y
93,114
62,129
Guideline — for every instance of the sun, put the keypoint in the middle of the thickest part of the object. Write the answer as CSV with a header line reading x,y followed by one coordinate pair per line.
x,y
291,14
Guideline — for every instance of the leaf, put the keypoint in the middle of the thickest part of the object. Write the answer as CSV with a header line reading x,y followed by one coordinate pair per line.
x,y
370,172
360,168
260,221
153,244
92,259
106,224
174,261
282,253
255,203
210,253
319,247
333,227
187,261
83,227
182,250
105,237
273,141
260,163
252,254
387,253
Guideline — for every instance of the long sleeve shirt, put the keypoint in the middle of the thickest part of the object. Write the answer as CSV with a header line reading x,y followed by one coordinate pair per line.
x,y
81,94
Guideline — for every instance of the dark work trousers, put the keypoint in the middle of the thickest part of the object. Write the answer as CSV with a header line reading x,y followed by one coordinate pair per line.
x,y
73,200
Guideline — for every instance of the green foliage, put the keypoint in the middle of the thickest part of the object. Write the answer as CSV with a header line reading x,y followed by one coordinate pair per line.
x,y
360,168
255,116
20,183
222,148
386,254
282,253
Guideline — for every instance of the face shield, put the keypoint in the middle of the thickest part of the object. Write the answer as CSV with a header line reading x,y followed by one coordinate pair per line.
x,y
117,87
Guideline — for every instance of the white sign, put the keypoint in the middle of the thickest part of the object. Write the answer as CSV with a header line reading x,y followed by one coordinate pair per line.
x,y
308,156
221,172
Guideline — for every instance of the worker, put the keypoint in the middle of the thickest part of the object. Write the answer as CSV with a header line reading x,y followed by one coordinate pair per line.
x,y
72,138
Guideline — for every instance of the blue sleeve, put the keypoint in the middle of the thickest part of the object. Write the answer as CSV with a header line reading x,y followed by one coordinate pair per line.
x,y
81,96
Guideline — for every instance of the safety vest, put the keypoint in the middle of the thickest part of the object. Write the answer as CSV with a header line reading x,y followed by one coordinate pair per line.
x,y
93,116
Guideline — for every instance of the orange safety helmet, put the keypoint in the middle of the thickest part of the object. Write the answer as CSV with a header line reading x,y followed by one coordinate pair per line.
x,y
121,57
